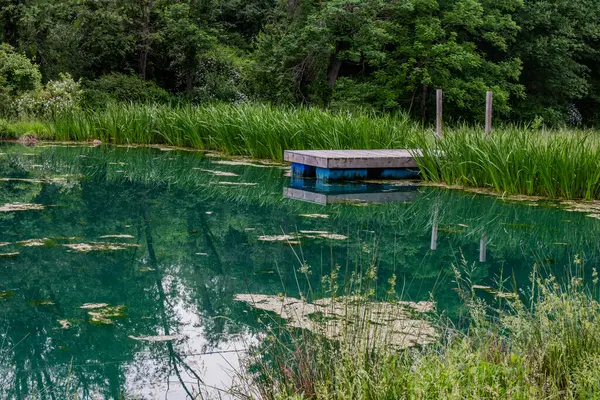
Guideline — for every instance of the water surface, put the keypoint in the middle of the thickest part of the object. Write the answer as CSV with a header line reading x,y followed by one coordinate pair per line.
x,y
158,242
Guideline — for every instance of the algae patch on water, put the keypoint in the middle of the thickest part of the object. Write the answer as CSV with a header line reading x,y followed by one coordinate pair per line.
x,y
99,246
116,237
159,338
216,172
333,236
352,318
590,208
104,315
293,238
35,242
9,207
243,163
42,303
276,238
91,306
323,216
34,180
64,324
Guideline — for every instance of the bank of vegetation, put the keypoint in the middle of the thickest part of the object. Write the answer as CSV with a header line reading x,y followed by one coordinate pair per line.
x,y
515,159
539,344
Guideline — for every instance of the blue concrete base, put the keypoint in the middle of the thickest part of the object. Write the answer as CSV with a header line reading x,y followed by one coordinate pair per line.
x,y
307,171
327,174
334,174
399,173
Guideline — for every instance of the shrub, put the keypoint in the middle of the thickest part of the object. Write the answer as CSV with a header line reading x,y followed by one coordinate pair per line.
x,y
121,88
7,130
55,97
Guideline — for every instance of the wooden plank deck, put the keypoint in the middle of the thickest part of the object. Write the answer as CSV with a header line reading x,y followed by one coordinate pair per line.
x,y
354,159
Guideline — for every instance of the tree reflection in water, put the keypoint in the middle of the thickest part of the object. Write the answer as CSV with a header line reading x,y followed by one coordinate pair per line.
x,y
197,246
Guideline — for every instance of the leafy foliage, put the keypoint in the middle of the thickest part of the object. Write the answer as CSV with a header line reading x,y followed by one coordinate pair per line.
x,y
558,44
17,76
116,87
539,57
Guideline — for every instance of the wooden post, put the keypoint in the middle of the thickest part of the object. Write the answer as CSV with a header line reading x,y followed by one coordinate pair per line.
x,y
483,248
488,113
438,113
434,230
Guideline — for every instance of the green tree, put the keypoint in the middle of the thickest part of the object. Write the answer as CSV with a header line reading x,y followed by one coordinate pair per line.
x,y
559,44
311,43
103,38
186,39
459,46
17,76
242,20
47,36
10,18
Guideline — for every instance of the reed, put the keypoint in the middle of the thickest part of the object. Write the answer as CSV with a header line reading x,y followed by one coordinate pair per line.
x,y
254,130
516,161
513,160
545,345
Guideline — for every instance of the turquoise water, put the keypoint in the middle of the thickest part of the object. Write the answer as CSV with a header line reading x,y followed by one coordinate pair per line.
x,y
157,242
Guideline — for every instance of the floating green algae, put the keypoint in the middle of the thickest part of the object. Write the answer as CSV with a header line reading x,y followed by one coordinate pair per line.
x,y
106,314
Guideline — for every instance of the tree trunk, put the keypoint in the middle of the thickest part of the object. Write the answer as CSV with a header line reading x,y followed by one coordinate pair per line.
x,y
145,48
11,23
334,70
424,103
189,79
292,7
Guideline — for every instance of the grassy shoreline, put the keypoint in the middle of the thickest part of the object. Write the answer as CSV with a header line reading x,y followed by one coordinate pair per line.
x,y
514,160
541,344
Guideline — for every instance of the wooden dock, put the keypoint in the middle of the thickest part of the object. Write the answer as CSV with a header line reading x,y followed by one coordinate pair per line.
x,y
354,164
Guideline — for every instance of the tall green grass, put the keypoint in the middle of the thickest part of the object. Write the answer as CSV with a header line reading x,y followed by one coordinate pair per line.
x,y
516,161
259,131
513,160
544,345
10,130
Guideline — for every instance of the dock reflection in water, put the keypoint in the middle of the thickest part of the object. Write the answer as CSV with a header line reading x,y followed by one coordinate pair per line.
x,y
320,192
326,193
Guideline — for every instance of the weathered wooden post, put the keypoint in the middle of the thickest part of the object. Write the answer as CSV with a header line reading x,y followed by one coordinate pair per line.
x,y
483,248
438,113
488,113
434,230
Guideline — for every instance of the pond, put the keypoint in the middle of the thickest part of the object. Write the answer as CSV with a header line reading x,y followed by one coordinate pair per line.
x,y
107,252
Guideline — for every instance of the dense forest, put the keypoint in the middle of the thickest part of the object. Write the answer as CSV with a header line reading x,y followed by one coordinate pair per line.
x,y
539,57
